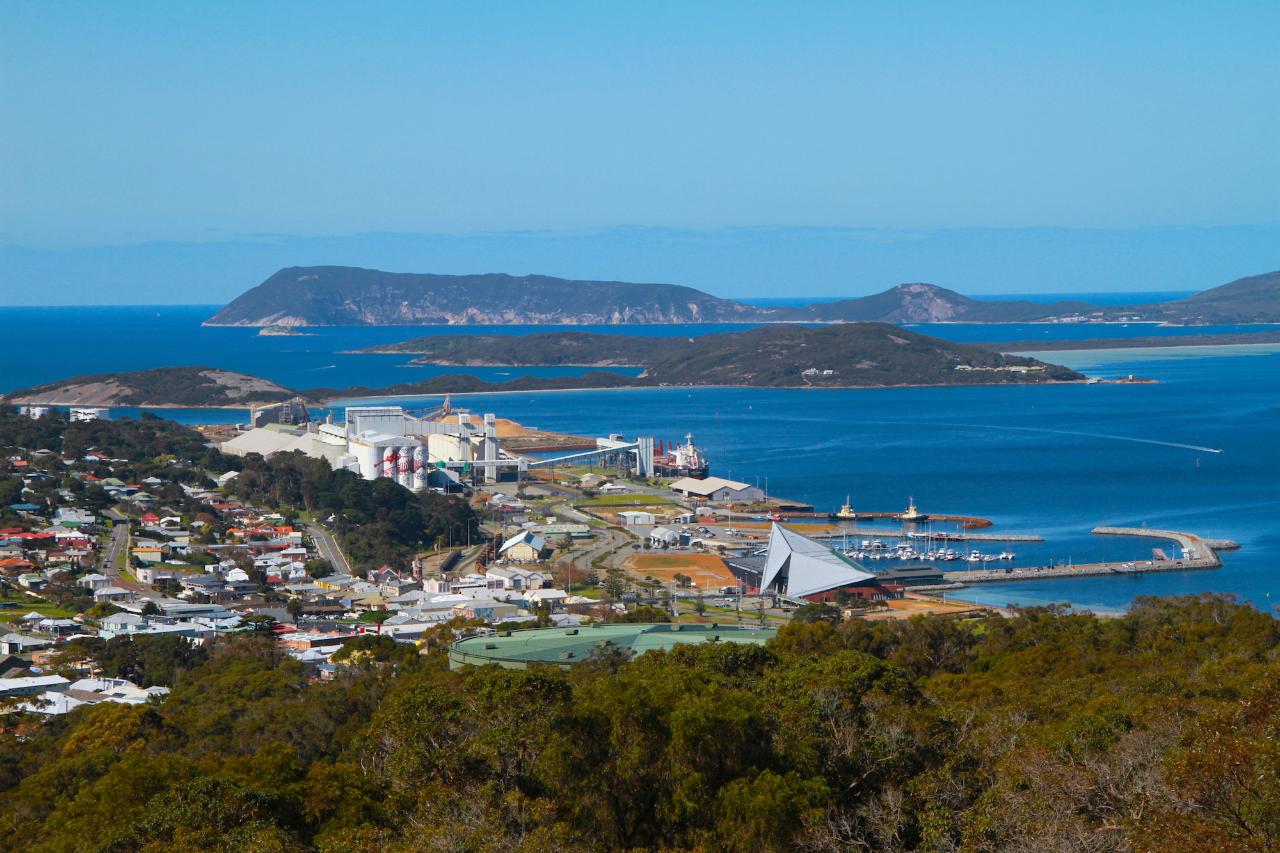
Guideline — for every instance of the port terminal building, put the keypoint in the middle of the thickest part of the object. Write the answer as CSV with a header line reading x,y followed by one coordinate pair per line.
x,y
798,568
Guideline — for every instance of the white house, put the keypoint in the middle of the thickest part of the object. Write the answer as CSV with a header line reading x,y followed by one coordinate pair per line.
x,y
516,578
17,644
551,597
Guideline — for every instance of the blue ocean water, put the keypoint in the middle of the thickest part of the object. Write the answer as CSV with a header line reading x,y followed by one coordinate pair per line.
x,y
1054,460
47,344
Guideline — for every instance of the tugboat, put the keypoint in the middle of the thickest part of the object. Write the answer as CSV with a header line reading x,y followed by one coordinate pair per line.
x,y
845,511
912,513
683,460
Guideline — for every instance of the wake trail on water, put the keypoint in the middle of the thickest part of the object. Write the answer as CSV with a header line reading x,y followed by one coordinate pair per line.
x,y
1157,442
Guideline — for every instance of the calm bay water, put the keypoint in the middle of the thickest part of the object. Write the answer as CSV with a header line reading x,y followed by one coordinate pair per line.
x,y
1055,460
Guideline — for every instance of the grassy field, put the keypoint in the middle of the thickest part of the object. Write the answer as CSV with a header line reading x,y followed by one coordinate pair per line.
x,y
26,604
627,500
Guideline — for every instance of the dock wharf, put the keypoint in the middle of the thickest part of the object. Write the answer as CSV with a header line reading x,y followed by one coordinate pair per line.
x,y
1198,554
888,533
966,522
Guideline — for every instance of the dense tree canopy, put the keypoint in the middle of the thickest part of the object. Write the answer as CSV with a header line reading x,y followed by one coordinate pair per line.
x,y
1050,731
377,521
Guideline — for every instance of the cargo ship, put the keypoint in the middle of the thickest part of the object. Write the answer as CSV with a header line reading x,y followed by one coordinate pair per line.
x,y
681,460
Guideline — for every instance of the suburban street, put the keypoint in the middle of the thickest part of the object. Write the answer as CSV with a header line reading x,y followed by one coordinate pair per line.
x,y
328,548
111,561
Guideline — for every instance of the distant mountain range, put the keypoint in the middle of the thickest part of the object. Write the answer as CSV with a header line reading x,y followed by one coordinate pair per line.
x,y
857,355
349,296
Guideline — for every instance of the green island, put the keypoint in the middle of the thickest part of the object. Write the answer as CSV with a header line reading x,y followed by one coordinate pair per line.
x,y
855,355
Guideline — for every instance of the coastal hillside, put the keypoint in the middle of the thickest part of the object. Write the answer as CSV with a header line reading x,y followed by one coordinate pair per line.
x,y
929,303
545,348
164,386
1254,299
774,356
850,355
349,296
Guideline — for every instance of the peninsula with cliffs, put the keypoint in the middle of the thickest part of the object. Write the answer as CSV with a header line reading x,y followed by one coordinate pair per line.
x,y
352,296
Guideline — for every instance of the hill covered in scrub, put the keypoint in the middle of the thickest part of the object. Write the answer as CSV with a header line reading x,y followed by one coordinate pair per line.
x,y
769,356
586,349
1151,731
929,303
849,355
351,296
1254,299
162,386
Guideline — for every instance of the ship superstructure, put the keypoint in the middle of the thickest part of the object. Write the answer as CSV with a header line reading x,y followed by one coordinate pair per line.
x,y
682,460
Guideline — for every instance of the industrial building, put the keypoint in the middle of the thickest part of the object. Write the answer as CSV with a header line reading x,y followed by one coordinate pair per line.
x,y
289,412
83,414
717,490
385,441
567,646
441,450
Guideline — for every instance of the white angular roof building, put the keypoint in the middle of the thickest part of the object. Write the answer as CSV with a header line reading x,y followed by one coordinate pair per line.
x,y
798,567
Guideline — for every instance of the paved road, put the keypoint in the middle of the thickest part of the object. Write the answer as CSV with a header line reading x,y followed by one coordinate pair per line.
x,y
579,561
119,543
328,548
111,554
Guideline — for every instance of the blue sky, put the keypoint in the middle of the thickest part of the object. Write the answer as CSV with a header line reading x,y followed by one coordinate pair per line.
x,y
195,125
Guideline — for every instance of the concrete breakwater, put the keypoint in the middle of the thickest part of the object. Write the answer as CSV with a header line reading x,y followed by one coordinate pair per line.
x,y
885,533
1197,553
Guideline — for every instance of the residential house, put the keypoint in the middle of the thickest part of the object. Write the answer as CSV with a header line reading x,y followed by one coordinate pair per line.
x,y
524,547
516,578
112,593
553,598
157,575
18,644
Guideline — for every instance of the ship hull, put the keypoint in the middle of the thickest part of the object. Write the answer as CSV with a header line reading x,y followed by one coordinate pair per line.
x,y
666,469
